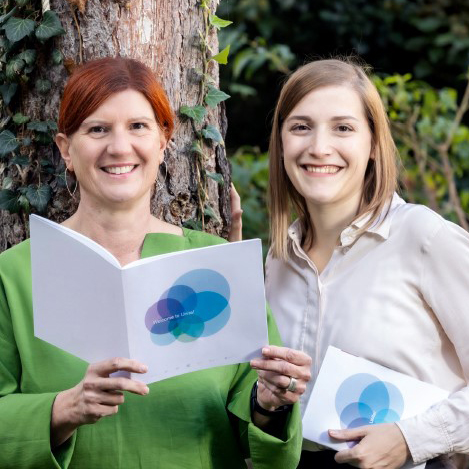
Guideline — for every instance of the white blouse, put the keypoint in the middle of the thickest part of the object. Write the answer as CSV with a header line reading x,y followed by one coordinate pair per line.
x,y
397,295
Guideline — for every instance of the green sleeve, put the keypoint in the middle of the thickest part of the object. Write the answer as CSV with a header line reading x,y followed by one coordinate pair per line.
x,y
266,451
24,418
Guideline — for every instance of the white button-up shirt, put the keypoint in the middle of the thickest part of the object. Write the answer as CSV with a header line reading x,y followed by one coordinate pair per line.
x,y
397,295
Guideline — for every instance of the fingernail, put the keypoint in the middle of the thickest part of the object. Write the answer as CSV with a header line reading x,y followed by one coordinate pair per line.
x,y
146,390
333,432
265,350
144,368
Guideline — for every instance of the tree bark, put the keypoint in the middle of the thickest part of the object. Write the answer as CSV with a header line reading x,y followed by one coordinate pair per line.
x,y
164,34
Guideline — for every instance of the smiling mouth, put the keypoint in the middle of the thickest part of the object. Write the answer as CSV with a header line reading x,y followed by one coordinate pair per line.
x,y
119,169
321,169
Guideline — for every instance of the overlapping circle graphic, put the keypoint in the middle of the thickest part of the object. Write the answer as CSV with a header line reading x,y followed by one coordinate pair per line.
x,y
196,305
363,399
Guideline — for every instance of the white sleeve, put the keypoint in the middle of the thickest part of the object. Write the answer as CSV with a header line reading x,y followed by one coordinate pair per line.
x,y
444,428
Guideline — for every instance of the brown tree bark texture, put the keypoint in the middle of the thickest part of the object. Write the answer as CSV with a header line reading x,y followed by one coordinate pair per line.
x,y
164,34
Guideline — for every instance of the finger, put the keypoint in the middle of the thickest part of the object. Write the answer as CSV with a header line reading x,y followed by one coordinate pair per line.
x,y
236,216
297,357
122,384
344,456
112,365
282,367
349,434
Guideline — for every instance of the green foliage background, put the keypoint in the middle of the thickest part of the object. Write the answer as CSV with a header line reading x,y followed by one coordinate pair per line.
x,y
419,51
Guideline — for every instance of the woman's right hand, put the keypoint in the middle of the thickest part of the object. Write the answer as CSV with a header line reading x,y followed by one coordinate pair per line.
x,y
97,395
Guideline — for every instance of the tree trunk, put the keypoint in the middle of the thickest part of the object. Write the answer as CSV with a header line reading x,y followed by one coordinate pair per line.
x,y
164,34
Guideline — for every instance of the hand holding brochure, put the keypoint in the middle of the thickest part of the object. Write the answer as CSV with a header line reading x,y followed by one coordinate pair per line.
x,y
176,312
351,391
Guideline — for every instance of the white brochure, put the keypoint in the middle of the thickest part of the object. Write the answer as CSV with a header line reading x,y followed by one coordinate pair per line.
x,y
351,391
176,312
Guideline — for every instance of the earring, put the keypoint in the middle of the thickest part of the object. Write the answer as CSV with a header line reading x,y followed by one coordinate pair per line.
x,y
72,193
160,185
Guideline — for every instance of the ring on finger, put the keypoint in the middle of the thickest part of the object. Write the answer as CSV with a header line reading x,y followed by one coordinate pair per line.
x,y
292,384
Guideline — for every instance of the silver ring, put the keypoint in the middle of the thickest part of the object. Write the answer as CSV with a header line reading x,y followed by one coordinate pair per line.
x,y
292,384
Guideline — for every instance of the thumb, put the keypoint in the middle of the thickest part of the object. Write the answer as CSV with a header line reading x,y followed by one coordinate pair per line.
x,y
349,434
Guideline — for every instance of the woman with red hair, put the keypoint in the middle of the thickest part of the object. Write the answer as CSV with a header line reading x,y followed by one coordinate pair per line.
x,y
55,410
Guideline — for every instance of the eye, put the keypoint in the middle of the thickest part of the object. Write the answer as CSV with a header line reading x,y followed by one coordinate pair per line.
x,y
97,129
139,125
299,128
344,128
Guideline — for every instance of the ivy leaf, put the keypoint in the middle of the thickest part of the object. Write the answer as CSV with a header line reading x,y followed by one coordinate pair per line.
x,y
222,57
43,86
215,96
52,125
20,160
24,203
19,118
4,17
57,57
218,22
49,27
8,142
7,182
193,224
38,126
9,200
216,177
194,112
14,67
209,212
17,28
212,133
26,142
8,90
39,196
196,148
29,56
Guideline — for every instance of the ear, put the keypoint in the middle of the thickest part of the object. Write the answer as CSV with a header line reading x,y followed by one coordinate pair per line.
x,y
63,143
163,145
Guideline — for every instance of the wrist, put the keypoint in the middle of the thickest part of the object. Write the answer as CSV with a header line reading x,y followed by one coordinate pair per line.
x,y
271,411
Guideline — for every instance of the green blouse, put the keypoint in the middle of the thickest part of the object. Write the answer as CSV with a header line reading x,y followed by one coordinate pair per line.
x,y
197,420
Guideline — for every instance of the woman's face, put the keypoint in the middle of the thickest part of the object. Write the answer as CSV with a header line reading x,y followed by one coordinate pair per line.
x,y
326,147
116,151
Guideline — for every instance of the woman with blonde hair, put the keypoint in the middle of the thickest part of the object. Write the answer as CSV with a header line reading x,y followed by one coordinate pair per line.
x,y
362,270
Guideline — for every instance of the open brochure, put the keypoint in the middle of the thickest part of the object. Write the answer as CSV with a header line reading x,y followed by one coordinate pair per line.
x,y
176,312
351,391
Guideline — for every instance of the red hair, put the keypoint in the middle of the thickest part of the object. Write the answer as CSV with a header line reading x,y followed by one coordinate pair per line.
x,y
94,82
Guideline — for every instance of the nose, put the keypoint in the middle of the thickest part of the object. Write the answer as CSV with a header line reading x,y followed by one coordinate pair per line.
x,y
320,144
119,143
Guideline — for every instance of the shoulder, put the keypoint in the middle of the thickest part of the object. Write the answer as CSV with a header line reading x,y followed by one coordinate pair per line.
x,y
422,226
15,259
201,238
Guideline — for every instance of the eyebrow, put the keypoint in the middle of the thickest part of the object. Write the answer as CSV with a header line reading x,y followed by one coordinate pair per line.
x,y
132,119
307,118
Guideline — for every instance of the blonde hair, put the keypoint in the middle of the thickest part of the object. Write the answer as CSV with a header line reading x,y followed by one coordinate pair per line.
x,y
381,173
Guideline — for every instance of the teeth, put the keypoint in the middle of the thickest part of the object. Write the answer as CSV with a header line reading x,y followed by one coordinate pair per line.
x,y
322,169
118,169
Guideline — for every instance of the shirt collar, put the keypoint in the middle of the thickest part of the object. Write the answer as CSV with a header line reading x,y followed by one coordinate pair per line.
x,y
380,226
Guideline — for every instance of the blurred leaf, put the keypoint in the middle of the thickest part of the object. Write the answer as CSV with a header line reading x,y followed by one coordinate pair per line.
x,y
17,28
43,86
39,196
212,133
197,113
210,213
215,96
8,90
57,57
222,57
8,142
29,56
9,200
49,27
20,160
14,67
218,22
4,17
38,126
216,177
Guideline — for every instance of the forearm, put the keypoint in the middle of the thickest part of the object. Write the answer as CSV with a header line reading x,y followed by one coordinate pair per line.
x,y
62,425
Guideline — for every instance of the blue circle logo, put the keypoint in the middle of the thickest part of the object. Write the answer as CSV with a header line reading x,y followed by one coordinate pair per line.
x,y
197,305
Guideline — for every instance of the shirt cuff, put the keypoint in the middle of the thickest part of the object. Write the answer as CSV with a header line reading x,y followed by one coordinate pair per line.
x,y
426,435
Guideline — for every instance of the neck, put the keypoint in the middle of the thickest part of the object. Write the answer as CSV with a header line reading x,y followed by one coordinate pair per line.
x,y
120,231
328,223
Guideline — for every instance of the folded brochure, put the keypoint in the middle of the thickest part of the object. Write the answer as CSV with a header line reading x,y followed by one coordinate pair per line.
x,y
177,312
351,392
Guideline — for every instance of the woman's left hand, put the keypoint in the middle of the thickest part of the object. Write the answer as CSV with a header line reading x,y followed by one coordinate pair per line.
x,y
279,369
380,445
